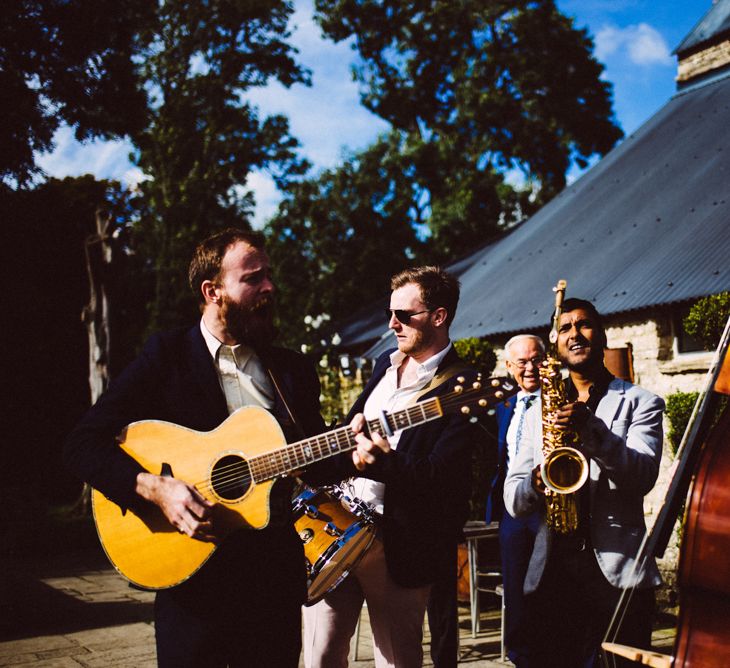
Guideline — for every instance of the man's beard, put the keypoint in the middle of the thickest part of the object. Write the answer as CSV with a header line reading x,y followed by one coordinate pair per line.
x,y
250,325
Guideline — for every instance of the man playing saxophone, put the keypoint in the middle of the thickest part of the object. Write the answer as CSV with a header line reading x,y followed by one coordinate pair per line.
x,y
575,578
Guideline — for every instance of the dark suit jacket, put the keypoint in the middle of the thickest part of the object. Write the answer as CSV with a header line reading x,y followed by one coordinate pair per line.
x,y
174,379
495,501
427,486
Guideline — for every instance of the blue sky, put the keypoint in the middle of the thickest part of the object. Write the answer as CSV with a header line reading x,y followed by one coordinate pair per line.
x,y
634,40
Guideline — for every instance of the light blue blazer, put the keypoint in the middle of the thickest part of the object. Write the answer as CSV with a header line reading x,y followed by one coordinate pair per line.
x,y
624,442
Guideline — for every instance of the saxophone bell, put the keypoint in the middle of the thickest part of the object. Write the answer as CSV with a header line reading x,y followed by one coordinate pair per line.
x,y
564,470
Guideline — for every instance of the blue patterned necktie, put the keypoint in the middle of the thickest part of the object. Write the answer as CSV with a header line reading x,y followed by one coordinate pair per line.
x,y
527,400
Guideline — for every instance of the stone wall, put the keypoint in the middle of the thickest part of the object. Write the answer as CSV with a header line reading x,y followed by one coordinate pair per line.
x,y
712,58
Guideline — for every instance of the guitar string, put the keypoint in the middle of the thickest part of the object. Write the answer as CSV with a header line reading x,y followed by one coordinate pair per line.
x,y
234,475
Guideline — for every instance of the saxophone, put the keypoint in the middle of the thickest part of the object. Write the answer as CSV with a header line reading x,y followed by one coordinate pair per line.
x,y
565,468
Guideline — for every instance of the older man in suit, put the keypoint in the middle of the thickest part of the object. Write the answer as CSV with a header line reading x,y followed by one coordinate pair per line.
x,y
575,581
243,607
523,355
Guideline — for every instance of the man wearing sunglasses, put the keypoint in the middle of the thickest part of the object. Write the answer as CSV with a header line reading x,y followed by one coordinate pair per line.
x,y
419,479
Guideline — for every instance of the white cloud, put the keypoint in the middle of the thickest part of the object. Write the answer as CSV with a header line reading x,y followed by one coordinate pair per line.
x,y
327,118
649,47
643,44
267,197
103,159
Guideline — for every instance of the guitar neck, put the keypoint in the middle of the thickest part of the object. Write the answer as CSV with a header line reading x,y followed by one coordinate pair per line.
x,y
297,455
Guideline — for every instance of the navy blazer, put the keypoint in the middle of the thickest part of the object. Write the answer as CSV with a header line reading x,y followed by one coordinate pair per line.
x,y
174,379
427,486
495,500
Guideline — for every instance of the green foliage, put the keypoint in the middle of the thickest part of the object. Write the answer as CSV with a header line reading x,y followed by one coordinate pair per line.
x,y
339,392
66,61
506,84
203,139
337,239
479,353
707,318
679,409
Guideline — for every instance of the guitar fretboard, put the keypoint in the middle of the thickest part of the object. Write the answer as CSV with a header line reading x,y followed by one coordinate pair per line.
x,y
297,455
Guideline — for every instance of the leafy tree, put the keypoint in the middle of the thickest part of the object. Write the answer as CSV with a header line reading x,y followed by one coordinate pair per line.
x,y
66,61
477,352
478,89
338,238
707,318
203,139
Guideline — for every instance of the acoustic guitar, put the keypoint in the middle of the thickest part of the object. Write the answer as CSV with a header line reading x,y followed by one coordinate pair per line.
x,y
235,466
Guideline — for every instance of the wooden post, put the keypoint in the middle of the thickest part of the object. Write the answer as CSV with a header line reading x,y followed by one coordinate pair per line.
x,y
95,315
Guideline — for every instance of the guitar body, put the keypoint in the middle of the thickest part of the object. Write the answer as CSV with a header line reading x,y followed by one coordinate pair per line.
x,y
235,466
145,548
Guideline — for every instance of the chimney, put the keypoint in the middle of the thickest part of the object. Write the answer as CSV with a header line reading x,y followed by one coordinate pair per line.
x,y
705,52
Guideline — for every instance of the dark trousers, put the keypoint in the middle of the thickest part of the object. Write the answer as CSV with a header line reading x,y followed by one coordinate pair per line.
x,y
443,618
516,539
570,612
241,610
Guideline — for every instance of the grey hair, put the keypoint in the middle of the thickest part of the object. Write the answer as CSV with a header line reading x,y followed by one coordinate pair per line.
x,y
519,337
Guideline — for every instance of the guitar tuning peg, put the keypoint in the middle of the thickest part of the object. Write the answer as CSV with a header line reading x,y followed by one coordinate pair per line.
x,y
499,394
491,411
495,382
458,389
473,419
482,403
465,410
476,385
460,379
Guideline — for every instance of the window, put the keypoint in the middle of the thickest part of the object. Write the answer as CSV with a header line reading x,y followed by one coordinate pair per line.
x,y
684,343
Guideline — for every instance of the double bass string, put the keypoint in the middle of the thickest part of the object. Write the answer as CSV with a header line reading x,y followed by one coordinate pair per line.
x,y
655,543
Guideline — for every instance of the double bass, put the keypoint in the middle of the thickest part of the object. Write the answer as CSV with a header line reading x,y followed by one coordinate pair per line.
x,y
703,468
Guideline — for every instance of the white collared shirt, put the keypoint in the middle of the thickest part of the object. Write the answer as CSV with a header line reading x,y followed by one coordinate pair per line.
x,y
533,422
241,374
387,396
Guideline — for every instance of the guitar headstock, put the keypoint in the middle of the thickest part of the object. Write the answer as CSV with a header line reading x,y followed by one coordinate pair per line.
x,y
473,396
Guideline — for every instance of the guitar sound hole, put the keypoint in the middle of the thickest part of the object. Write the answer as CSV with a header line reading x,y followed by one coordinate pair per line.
x,y
230,477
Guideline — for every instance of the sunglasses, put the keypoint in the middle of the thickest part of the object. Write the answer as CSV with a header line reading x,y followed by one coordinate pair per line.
x,y
401,315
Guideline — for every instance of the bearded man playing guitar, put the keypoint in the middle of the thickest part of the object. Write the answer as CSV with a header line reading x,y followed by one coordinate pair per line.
x,y
242,606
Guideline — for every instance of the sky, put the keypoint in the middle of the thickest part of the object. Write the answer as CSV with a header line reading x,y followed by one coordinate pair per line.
x,y
634,39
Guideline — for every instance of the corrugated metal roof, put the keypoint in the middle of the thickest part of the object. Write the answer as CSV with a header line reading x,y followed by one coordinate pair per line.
x,y
713,24
648,225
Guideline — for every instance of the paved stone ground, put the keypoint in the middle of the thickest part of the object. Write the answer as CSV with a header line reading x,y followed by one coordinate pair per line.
x,y
74,610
